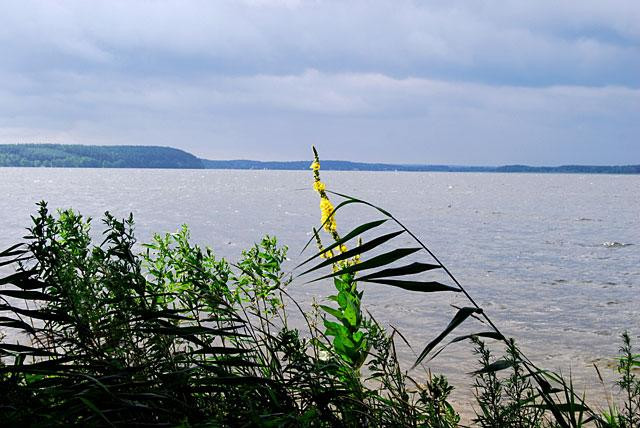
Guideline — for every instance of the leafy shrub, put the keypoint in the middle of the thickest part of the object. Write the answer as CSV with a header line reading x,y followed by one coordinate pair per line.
x,y
174,336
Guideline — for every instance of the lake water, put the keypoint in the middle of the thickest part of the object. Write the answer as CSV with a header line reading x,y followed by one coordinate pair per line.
x,y
553,259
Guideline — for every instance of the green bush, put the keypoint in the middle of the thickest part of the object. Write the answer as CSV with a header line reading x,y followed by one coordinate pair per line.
x,y
176,336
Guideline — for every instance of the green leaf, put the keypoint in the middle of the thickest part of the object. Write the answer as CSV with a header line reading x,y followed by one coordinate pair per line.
x,y
331,311
367,246
494,367
562,407
27,295
11,251
351,314
375,262
410,269
18,276
343,299
9,262
218,350
355,232
41,314
459,318
343,345
13,323
422,286
335,329
22,349
487,334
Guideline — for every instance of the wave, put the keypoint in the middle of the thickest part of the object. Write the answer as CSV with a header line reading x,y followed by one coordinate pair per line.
x,y
615,244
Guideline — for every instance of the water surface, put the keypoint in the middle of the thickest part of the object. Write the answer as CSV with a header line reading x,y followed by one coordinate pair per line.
x,y
554,259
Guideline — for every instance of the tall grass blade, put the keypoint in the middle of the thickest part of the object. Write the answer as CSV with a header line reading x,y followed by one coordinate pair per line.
x,y
374,262
367,246
459,318
349,236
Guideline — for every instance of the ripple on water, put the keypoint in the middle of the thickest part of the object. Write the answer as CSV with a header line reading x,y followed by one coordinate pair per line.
x,y
615,244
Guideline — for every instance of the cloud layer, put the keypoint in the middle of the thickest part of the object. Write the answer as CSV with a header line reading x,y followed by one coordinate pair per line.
x,y
436,82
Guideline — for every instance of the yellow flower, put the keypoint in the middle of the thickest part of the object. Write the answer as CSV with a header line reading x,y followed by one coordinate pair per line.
x,y
343,248
326,206
315,166
327,254
318,186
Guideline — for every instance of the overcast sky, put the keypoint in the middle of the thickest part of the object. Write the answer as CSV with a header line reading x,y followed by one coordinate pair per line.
x,y
468,82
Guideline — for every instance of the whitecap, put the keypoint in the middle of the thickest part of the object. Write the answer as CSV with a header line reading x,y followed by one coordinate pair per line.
x,y
615,244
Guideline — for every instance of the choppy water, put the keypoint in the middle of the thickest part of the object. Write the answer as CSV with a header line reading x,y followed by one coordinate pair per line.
x,y
554,259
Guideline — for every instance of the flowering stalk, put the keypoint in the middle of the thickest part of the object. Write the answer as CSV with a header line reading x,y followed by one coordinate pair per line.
x,y
349,333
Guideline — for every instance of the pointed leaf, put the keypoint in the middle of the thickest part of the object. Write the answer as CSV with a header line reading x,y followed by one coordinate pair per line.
x,y
375,262
13,323
458,319
411,269
355,232
488,334
494,367
367,246
421,286
331,311
12,261
11,251
27,295
15,277
11,348
37,313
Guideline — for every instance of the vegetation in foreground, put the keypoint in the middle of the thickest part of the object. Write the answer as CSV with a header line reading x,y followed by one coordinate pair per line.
x,y
175,336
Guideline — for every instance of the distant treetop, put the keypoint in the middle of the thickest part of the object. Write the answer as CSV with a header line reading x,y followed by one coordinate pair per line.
x,y
85,156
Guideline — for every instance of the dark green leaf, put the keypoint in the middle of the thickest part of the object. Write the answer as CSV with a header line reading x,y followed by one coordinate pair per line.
x,y
367,246
422,286
494,367
13,323
410,269
11,251
22,349
354,233
488,334
375,262
459,318
27,295
41,314
563,407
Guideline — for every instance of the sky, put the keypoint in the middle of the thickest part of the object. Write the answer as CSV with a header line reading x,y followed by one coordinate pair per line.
x,y
433,82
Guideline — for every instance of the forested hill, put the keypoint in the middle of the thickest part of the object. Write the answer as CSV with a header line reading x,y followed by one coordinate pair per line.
x,y
337,165
81,156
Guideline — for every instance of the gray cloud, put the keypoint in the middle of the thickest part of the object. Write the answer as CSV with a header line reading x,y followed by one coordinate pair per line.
x,y
439,82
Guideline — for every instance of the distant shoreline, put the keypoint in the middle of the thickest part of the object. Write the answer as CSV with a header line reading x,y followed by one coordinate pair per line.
x,y
156,157
336,165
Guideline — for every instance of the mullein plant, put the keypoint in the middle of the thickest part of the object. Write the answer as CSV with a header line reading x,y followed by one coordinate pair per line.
x,y
349,330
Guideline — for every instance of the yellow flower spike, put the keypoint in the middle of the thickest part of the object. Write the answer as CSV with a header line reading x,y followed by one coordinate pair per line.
x,y
327,254
343,248
319,186
315,165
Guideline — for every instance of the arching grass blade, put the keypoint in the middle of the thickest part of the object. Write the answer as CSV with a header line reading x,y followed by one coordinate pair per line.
x,y
411,269
421,286
458,319
354,233
367,246
375,262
